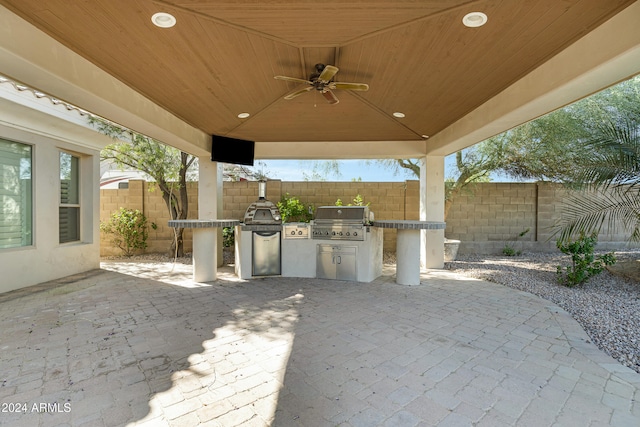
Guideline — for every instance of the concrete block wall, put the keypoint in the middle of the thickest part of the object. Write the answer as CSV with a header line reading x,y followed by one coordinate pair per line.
x,y
489,215
146,197
485,218
111,201
492,215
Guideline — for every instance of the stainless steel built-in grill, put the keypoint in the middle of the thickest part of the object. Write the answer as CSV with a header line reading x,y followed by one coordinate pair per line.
x,y
341,223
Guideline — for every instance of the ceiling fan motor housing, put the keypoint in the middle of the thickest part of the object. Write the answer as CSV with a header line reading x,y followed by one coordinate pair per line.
x,y
315,75
321,81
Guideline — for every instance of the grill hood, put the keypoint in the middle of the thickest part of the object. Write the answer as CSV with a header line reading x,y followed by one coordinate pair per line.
x,y
344,214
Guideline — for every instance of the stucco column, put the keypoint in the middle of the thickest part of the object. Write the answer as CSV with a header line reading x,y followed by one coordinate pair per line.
x,y
219,211
206,244
432,209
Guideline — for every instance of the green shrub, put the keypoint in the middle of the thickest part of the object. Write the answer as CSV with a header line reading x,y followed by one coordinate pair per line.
x,y
357,201
293,210
128,229
509,250
583,263
228,237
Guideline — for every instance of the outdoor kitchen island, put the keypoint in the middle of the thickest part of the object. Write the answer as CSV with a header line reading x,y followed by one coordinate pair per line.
x,y
359,261
339,244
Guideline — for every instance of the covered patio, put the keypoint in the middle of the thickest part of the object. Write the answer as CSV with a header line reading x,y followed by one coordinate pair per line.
x,y
142,344
438,81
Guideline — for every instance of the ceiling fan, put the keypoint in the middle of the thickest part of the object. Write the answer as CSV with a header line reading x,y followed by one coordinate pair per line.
x,y
320,80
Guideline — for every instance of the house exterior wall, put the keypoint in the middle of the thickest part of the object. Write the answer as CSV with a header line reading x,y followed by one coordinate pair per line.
x,y
50,129
46,259
485,218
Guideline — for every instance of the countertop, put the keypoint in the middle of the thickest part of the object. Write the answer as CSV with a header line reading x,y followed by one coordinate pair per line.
x,y
409,225
203,223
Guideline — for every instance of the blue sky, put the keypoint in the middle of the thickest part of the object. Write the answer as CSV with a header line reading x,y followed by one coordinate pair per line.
x,y
295,170
369,171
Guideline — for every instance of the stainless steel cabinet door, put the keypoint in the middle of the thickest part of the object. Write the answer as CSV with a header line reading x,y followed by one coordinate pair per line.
x,y
345,261
336,262
266,253
325,265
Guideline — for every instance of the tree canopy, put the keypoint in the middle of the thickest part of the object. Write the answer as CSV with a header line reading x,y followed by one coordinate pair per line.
x,y
166,165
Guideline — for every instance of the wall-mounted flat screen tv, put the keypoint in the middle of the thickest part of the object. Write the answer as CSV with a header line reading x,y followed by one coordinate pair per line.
x,y
232,150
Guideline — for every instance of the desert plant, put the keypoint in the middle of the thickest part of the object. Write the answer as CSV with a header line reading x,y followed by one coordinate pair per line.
x,y
584,264
293,210
128,230
510,250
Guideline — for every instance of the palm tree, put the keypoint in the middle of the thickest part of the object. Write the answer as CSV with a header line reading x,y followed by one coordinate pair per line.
x,y
608,186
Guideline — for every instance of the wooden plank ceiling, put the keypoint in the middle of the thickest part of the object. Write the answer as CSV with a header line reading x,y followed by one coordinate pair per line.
x,y
221,57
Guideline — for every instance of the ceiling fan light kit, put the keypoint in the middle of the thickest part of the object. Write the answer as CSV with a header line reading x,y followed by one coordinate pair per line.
x,y
321,80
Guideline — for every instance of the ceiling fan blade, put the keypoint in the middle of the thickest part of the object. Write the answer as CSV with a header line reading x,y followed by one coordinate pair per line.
x,y
292,79
330,97
298,92
350,86
328,73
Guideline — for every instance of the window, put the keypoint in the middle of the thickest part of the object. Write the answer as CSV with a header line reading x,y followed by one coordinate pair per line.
x,y
69,216
16,217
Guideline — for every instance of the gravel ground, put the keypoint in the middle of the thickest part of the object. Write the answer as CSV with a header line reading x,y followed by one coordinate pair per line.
x,y
607,305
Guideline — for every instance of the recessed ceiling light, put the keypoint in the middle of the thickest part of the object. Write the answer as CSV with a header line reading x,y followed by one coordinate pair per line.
x,y
474,19
163,20
425,136
243,115
398,114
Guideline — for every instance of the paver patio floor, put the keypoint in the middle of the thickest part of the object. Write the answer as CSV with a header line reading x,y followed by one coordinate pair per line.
x,y
141,344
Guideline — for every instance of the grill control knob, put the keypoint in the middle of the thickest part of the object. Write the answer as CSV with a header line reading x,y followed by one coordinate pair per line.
x,y
293,232
348,234
299,232
333,233
355,233
340,233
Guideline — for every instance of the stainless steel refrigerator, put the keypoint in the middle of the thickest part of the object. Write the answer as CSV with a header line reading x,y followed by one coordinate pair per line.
x,y
266,257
